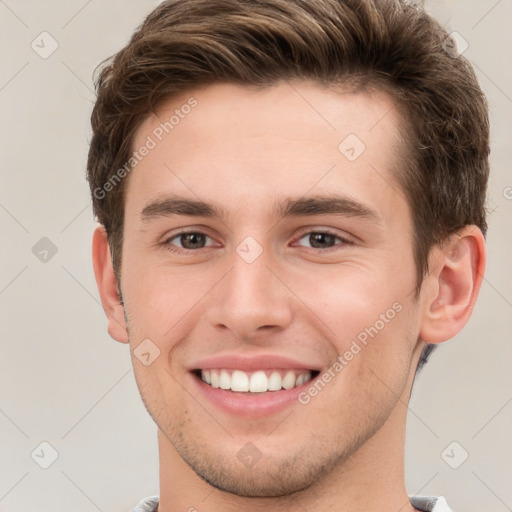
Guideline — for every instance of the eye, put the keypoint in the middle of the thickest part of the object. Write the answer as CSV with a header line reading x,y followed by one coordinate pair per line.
x,y
187,240
323,239
195,240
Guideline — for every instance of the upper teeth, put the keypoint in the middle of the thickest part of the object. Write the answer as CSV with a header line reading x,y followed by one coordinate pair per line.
x,y
256,382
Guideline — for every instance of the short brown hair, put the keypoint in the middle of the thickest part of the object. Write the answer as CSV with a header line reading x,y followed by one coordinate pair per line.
x,y
388,44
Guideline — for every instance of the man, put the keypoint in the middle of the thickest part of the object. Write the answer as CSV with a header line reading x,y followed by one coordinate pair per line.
x,y
291,198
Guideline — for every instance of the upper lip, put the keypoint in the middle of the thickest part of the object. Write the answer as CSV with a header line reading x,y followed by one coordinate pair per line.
x,y
252,363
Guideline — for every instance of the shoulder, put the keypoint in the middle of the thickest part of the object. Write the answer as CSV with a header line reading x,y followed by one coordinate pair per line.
x,y
147,505
430,504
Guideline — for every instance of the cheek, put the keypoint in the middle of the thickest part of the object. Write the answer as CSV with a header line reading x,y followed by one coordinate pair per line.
x,y
371,323
351,300
371,370
161,300
159,385
149,387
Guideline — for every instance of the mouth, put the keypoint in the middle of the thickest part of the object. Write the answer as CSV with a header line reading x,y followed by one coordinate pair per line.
x,y
251,386
255,382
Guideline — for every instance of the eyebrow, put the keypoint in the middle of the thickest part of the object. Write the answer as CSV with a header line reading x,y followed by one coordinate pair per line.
x,y
301,207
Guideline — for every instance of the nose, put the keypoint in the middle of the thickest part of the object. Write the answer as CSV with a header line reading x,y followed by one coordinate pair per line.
x,y
251,300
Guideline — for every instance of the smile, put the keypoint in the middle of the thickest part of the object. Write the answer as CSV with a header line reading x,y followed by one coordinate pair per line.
x,y
259,381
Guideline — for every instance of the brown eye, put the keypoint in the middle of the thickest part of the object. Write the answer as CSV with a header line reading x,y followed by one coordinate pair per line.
x,y
322,240
191,240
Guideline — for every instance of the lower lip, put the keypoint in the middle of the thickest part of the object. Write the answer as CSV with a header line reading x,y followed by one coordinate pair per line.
x,y
250,405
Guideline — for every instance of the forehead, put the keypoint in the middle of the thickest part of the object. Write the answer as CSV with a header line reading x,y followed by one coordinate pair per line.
x,y
240,143
372,112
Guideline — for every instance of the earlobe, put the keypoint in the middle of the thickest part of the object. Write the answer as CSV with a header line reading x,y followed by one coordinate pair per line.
x,y
456,274
107,286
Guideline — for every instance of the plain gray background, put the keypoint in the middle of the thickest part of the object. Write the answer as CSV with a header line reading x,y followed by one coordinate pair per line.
x,y
63,381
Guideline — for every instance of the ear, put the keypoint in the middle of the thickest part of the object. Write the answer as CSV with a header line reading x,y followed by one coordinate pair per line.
x,y
107,286
451,288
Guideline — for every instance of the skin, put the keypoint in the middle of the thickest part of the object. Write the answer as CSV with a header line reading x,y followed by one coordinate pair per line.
x,y
247,151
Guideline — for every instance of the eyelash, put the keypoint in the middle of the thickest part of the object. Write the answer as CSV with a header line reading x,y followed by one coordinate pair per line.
x,y
182,250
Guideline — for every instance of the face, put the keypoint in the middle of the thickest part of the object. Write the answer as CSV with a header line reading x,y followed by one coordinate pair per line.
x,y
268,265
